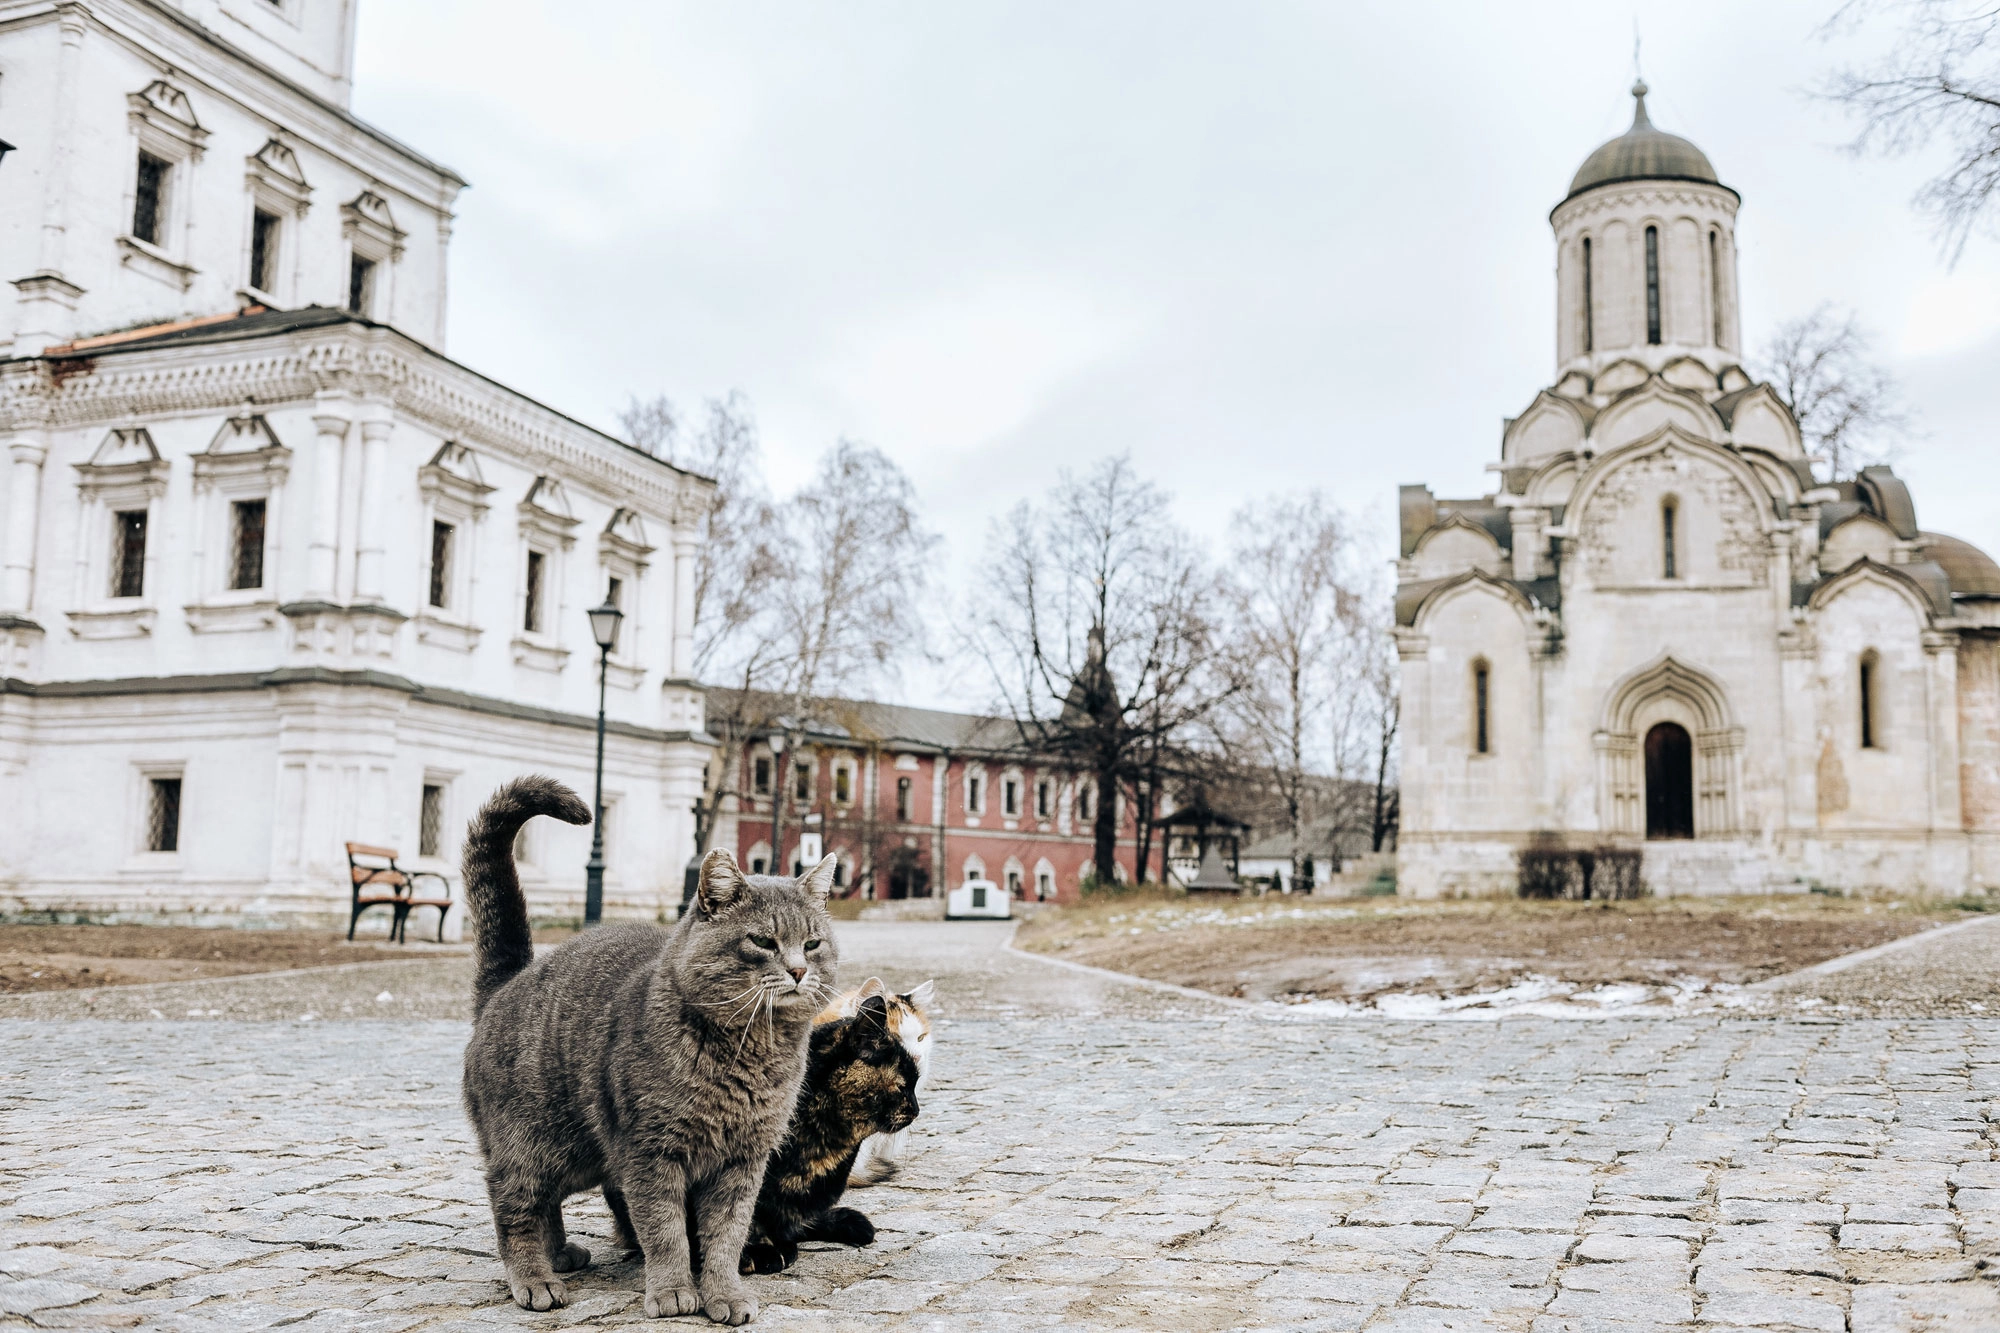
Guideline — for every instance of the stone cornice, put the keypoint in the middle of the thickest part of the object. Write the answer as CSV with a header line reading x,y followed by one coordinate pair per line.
x,y
1634,194
290,368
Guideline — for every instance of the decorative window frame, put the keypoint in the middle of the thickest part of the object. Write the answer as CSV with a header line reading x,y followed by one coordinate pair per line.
x,y
758,851
547,525
371,232
454,491
274,182
163,123
1045,878
974,798
245,461
448,853
804,763
125,473
974,867
1047,800
1012,819
843,763
141,859
1014,879
622,549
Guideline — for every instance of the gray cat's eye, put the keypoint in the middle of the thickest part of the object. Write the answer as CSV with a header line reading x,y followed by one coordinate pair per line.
x,y
764,942
811,945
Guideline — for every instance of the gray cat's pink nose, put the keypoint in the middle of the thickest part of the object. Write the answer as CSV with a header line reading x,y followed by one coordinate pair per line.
x,y
798,973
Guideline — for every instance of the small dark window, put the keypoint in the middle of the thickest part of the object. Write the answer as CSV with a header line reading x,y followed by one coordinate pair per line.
x,y
1669,565
163,815
1482,740
263,250
1589,314
441,539
802,783
430,820
760,776
1013,884
903,799
1083,803
839,874
360,285
1010,797
975,797
843,786
756,865
246,544
531,614
1042,799
614,592
1653,285
149,204
1715,283
128,565
1870,669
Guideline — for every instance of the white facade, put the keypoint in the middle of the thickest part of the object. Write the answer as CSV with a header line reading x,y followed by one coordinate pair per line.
x,y
1662,630
278,551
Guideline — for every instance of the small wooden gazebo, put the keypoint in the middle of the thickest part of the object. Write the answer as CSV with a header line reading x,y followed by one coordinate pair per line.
x,y
1212,831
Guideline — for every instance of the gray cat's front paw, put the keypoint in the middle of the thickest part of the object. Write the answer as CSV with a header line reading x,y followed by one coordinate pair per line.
x,y
727,1303
538,1293
664,1302
573,1257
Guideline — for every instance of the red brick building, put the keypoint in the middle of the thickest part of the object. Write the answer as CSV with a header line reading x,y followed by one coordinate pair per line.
x,y
912,799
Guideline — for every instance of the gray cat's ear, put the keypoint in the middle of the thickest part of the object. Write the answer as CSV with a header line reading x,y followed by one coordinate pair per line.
x,y
920,999
818,881
721,882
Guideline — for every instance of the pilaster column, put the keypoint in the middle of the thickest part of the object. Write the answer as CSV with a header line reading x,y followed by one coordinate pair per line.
x,y
24,504
1941,665
71,25
321,563
372,530
682,665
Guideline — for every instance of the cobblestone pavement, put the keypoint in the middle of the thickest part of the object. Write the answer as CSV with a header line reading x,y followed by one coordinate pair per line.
x,y
1093,1155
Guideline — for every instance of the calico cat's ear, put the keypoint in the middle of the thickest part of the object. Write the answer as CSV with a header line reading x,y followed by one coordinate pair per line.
x,y
818,882
922,997
874,1012
872,986
721,882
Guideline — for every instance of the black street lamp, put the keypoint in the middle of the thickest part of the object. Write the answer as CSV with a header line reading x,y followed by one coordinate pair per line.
x,y
604,622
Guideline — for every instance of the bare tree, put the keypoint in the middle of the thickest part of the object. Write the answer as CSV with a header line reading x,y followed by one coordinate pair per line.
x,y
1849,409
852,561
1293,618
1935,83
1098,630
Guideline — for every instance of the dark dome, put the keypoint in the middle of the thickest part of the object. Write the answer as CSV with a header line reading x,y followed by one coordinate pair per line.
x,y
1643,153
1971,570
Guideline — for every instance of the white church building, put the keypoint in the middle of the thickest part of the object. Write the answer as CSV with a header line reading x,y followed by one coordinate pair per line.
x,y
278,574
1661,630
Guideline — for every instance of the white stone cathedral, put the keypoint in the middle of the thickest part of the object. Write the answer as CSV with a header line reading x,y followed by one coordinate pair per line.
x,y
1662,630
279,574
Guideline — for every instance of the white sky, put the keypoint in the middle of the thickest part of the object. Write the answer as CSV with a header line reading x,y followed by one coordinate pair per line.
x,y
1265,246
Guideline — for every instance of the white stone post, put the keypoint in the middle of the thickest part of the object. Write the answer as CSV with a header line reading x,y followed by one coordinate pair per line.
x,y
372,529
682,665
321,563
24,499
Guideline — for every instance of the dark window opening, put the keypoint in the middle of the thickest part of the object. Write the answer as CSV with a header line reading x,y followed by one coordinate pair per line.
x,y
1042,800
614,592
1589,314
531,616
1868,674
149,204
163,816
1481,737
128,566
843,787
1668,564
1715,283
263,250
1010,797
802,783
1013,883
974,797
360,285
756,865
430,820
441,541
903,799
760,776
1653,285
1083,804
839,875
246,545
1669,782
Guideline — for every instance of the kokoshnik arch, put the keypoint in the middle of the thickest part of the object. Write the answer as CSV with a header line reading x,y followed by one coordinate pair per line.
x,y
1661,630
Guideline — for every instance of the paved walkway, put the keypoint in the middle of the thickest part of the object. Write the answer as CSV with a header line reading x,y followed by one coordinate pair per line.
x,y
1093,1156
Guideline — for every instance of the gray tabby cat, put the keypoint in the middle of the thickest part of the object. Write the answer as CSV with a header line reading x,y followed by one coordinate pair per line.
x,y
659,1065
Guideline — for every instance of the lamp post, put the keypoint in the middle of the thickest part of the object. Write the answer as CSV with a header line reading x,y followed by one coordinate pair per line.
x,y
604,622
777,800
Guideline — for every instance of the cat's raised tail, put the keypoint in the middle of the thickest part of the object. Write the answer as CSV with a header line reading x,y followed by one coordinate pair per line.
x,y
502,945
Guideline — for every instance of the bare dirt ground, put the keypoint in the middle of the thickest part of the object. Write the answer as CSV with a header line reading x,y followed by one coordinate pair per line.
x,y
35,957
1402,957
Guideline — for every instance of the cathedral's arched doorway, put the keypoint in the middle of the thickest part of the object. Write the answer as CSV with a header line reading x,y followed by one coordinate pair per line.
x,y
1669,782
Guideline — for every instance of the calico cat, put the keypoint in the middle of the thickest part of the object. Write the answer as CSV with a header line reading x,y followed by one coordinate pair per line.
x,y
909,1019
659,1065
860,1080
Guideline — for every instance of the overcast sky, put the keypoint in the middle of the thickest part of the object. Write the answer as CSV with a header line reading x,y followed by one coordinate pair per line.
x,y
1263,246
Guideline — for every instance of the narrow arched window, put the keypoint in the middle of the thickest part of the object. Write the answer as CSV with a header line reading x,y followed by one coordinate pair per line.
x,y
1871,711
1482,712
1653,285
1589,315
1715,282
1669,539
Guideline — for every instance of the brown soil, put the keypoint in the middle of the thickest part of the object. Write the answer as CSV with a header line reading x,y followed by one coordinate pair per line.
x,y
36,958
1275,949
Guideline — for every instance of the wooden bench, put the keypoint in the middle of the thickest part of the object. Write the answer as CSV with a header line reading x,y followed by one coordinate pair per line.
x,y
379,882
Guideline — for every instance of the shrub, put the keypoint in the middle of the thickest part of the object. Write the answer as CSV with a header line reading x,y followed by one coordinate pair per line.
x,y
1606,872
